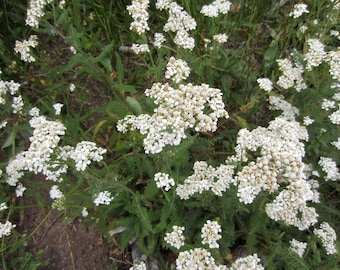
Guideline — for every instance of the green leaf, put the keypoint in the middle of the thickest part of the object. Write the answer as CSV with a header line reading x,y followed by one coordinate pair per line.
x,y
143,215
10,140
134,104
119,68
127,88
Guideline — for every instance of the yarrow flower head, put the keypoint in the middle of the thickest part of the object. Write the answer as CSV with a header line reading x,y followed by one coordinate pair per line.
x,y
35,11
104,197
139,12
188,106
265,84
298,10
329,166
179,22
84,212
220,38
328,237
197,258
17,104
307,121
24,48
3,205
55,192
216,8
176,237
211,233
177,70
298,247
140,265
140,48
159,40
163,180
5,228
84,153
316,53
292,75
250,262
206,178
57,107
72,87
333,59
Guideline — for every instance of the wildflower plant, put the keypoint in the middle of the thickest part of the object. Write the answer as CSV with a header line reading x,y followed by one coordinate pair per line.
x,y
198,128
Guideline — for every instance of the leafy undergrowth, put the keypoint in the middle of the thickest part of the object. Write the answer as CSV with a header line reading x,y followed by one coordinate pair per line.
x,y
192,134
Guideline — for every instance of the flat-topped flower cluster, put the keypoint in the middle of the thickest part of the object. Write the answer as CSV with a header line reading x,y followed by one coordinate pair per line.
x,y
182,107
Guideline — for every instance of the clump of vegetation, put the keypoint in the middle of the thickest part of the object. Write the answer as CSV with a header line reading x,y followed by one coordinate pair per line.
x,y
196,128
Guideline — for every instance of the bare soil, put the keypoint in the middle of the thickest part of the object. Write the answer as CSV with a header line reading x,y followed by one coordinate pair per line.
x,y
68,244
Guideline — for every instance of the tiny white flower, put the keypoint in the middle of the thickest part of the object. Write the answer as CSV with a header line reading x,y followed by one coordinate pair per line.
x,y
72,87
57,107
175,238
84,212
265,84
163,180
104,197
299,9
3,206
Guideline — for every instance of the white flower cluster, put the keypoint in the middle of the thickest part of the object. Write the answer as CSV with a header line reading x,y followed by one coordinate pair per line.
x,y
216,8
298,10
139,12
17,104
292,75
72,87
3,205
24,48
177,70
336,144
265,84
307,121
298,247
204,179
103,197
57,107
329,166
179,22
220,38
333,59
46,136
290,206
140,48
335,116
84,212
176,237
246,263
179,109
45,157
197,258
35,12
316,53
288,110
84,153
328,237
159,39
5,228
163,180
327,104
138,266
210,233
55,192
280,157
3,124
6,87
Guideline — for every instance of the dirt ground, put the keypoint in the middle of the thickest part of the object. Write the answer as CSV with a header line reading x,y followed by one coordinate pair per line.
x,y
69,244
